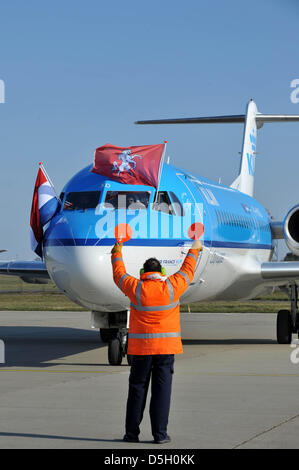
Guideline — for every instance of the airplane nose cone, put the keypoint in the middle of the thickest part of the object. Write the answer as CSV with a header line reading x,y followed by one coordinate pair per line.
x,y
84,274
80,267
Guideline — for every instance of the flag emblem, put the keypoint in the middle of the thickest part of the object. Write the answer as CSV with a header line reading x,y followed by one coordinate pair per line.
x,y
127,160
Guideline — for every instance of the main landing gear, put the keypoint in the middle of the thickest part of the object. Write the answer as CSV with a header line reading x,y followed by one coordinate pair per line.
x,y
288,321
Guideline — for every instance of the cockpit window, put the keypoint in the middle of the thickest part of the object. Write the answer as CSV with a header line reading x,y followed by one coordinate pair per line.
x,y
176,204
132,200
163,203
81,200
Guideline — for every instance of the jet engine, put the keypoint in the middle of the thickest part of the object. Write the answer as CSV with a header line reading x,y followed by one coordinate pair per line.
x,y
291,230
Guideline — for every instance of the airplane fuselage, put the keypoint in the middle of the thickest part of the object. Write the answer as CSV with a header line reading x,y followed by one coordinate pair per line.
x,y
78,240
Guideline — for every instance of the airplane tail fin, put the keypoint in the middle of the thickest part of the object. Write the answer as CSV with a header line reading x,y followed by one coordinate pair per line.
x,y
253,120
245,180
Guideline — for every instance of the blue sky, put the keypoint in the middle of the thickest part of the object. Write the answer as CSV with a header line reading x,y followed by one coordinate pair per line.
x,y
78,74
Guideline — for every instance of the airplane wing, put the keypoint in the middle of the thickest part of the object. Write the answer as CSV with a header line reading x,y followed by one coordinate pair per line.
x,y
33,272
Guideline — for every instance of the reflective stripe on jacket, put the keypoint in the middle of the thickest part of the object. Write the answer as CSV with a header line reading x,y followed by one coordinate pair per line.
x,y
155,311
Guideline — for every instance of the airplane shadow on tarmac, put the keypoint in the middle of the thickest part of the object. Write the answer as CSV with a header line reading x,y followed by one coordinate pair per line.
x,y
36,346
29,346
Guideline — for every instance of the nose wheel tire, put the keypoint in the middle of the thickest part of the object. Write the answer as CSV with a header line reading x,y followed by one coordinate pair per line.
x,y
115,354
108,333
284,327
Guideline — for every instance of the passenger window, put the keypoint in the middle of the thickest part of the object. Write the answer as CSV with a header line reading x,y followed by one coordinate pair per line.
x,y
81,200
131,200
163,203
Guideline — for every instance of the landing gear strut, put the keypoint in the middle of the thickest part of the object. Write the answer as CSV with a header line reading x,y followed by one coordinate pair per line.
x,y
288,321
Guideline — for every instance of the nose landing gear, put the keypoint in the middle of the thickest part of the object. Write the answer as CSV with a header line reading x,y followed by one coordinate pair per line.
x,y
117,347
114,331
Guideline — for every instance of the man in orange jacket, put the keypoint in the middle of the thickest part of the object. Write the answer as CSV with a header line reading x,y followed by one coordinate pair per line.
x,y
154,337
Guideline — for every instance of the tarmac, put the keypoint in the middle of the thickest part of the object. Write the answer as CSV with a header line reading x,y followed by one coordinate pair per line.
x,y
233,388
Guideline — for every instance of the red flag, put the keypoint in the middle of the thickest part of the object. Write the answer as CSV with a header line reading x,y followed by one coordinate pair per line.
x,y
129,165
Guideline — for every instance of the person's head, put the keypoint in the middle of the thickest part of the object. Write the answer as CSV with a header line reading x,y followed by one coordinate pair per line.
x,y
152,265
130,200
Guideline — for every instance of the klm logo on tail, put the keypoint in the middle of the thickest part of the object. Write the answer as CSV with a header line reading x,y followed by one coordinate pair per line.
x,y
250,156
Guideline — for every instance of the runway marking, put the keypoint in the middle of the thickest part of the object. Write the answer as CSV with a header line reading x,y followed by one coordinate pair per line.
x,y
126,371
63,371
266,431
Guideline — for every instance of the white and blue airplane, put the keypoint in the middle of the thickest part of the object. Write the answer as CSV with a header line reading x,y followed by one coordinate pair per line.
x,y
238,242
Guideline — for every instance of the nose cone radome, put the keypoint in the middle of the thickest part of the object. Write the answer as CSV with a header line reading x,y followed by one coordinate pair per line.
x,y
84,274
79,266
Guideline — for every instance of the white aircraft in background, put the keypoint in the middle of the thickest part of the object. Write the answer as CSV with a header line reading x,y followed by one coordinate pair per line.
x,y
238,241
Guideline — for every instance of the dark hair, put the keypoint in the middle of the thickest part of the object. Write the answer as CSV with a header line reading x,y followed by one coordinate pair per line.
x,y
152,265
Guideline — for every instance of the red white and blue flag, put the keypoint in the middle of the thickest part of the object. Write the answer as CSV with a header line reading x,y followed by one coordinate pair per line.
x,y
44,206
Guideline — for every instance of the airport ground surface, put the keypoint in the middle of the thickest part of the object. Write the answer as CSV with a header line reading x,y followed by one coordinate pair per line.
x,y
234,387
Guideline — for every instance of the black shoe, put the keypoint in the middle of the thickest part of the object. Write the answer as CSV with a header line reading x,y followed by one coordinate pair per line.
x,y
163,441
127,438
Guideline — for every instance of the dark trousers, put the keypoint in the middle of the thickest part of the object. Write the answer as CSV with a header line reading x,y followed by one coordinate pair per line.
x,y
158,368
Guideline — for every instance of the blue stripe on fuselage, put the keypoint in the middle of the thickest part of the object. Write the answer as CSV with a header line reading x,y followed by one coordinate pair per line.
x,y
152,242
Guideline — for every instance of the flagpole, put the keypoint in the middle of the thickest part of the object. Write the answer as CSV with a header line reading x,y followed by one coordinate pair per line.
x,y
160,170
48,178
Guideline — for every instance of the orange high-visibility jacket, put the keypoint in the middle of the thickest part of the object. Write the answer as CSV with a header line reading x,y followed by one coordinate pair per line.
x,y
154,326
